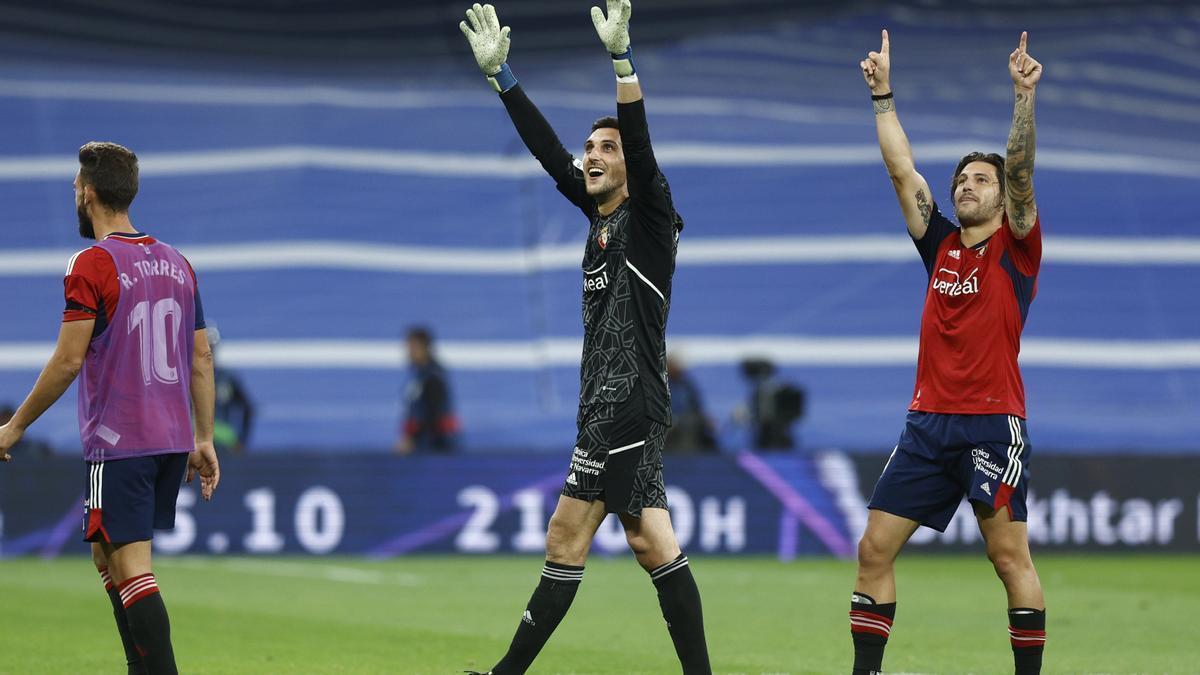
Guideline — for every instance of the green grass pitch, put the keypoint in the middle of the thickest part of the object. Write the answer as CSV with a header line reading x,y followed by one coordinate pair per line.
x,y
1107,614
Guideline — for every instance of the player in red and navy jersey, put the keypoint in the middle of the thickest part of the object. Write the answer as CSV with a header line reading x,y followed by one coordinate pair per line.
x,y
965,434
133,331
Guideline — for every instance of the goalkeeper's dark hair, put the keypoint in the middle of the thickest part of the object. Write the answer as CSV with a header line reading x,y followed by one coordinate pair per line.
x,y
989,157
606,122
112,171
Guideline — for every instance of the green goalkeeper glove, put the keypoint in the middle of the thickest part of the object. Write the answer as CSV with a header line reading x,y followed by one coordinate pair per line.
x,y
489,42
614,33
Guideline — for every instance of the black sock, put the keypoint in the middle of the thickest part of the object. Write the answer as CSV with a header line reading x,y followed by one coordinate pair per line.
x,y
680,602
133,660
1027,631
870,626
149,624
547,607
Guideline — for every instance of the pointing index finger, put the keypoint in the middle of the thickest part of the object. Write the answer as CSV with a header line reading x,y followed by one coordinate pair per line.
x,y
1024,39
886,46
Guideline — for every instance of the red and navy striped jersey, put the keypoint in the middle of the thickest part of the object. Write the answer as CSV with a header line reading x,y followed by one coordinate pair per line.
x,y
975,309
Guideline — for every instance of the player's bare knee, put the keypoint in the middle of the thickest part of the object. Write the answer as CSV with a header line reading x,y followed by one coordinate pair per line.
x,y
872,554
1010,563
638,543
564,544
648,554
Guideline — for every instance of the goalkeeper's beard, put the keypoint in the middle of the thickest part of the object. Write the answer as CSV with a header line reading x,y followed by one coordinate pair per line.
x,y
605,190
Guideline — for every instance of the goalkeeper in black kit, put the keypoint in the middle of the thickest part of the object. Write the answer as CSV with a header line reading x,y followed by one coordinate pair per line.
x,y
624,402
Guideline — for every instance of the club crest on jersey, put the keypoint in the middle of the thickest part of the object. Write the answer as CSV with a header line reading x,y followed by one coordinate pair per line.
x,y
602,237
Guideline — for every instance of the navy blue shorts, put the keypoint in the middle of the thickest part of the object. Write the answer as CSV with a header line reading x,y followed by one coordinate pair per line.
x,y
942,458
127,499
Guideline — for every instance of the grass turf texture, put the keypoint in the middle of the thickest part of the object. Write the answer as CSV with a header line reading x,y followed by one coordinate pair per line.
x,y
1114,614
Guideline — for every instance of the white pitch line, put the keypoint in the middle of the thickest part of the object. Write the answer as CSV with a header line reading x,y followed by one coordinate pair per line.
x,y
317,571
715,251
702,350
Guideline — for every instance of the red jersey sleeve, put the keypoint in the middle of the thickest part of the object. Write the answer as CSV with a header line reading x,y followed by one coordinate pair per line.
x,y
90,286
1027,253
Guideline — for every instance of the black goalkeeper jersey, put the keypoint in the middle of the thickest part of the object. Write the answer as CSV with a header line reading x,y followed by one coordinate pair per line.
x,y
628,263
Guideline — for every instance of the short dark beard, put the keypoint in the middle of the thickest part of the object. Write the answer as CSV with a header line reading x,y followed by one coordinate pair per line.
x,y
971,222
602,197
87,229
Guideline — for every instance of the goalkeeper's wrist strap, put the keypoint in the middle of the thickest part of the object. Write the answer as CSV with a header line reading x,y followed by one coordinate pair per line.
x,y
623,65
503,80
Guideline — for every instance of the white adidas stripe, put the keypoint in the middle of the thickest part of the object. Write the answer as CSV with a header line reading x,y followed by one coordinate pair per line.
x,y
1012,473
96,485
71,263
1008,467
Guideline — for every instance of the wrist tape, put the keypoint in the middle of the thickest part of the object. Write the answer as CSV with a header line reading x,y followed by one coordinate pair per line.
x,y
503,80
623,66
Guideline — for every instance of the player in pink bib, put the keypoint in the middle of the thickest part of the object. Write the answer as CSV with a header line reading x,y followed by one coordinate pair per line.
x,y
133,331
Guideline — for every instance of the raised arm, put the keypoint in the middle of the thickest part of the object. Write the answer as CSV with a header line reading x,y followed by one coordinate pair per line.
x,y
489,43
912,191
647,187
613,30
1018,161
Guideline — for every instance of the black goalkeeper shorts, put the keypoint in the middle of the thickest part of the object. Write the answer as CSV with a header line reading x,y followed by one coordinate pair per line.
x,y
618,460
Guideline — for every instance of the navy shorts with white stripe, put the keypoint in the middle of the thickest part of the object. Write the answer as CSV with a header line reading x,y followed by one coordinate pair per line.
x,y
127,499
942,458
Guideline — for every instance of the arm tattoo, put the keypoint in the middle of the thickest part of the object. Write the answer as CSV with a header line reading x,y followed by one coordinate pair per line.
x,y
882,106
924,207
1018,164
